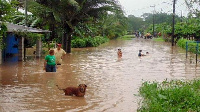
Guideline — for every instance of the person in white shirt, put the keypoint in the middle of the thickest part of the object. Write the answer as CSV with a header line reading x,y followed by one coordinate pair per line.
x,y
59,54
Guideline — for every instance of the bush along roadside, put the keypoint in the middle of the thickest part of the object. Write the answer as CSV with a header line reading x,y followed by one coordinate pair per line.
x,y
126,37
191,46
78,42
170,96
159,39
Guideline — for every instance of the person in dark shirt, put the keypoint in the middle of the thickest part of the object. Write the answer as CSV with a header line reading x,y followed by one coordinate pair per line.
x,y
140,53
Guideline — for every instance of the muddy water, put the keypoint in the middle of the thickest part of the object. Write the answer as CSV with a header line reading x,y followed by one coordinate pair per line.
x,y
113,83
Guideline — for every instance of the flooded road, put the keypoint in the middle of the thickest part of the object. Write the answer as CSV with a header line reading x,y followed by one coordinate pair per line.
x,y
112,83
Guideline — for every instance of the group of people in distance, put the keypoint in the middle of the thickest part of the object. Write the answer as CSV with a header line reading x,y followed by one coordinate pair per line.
x,y
54,58
119,53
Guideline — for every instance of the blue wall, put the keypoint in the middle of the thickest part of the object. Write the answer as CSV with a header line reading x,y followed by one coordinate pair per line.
x,y
11,44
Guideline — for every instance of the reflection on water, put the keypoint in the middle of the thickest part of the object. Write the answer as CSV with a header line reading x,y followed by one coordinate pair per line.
x,y
113,83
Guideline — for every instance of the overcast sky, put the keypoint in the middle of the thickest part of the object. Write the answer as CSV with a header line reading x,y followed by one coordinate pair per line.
x,y
138,7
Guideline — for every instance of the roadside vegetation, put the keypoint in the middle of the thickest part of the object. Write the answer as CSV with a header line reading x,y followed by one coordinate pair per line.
x,y
88,42
170,96
126,37
160,39
68,19
192,45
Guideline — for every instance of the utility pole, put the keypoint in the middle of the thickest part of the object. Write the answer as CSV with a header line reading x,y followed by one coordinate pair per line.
x,y
154,23
173,22
25,22
153,20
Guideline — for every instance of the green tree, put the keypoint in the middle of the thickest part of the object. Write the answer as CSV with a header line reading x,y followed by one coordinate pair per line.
x,y
113,25
134,23
5,11
159,18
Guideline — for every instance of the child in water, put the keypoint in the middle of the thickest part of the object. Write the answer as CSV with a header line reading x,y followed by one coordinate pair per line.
x,y
140,53
119,53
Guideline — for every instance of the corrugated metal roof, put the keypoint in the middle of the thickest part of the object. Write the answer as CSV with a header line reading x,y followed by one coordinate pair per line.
x,y
19,28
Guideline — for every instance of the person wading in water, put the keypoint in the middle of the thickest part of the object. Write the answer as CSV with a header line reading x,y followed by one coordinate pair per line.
x,y
59,54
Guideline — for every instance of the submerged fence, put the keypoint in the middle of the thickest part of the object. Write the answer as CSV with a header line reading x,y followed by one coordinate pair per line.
x,y
188,46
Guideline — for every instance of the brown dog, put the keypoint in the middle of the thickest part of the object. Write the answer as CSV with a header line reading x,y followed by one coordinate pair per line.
x,y
77,91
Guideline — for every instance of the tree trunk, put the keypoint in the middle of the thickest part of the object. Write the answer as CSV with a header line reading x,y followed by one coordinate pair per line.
x,y
53,34
69,43
67,38
64,40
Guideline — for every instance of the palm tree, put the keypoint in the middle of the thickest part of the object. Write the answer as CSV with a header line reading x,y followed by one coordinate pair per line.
x,y
109,25
113,25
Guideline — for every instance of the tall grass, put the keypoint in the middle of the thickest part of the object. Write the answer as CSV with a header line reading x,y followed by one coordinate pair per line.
x,y
160,39
170,96
127,37
191,46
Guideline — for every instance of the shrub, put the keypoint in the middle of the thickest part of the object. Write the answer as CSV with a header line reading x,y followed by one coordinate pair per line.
x,y
78,43
127,37
170,96
191,46
160,39
88,42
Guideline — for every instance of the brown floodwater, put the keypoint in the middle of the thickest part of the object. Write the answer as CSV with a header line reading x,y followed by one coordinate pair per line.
x,y
112,83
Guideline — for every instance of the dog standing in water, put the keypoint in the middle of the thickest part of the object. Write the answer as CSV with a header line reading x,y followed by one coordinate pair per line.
x,y
77,91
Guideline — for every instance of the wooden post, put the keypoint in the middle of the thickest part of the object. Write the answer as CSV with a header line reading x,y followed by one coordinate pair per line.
x,y
38,48
0,56
21,49
197,49
153,20
173,22
186,50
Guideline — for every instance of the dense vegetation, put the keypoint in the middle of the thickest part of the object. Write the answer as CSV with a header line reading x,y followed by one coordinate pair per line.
x,y
170,96
5,10
89,19
88,42
193,46
68,19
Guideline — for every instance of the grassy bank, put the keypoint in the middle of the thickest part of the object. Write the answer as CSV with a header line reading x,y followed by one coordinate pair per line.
x,y
160,39
191,45
127,37
170,96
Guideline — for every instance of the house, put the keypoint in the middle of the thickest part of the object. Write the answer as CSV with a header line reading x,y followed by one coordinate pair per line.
x,y
15,45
